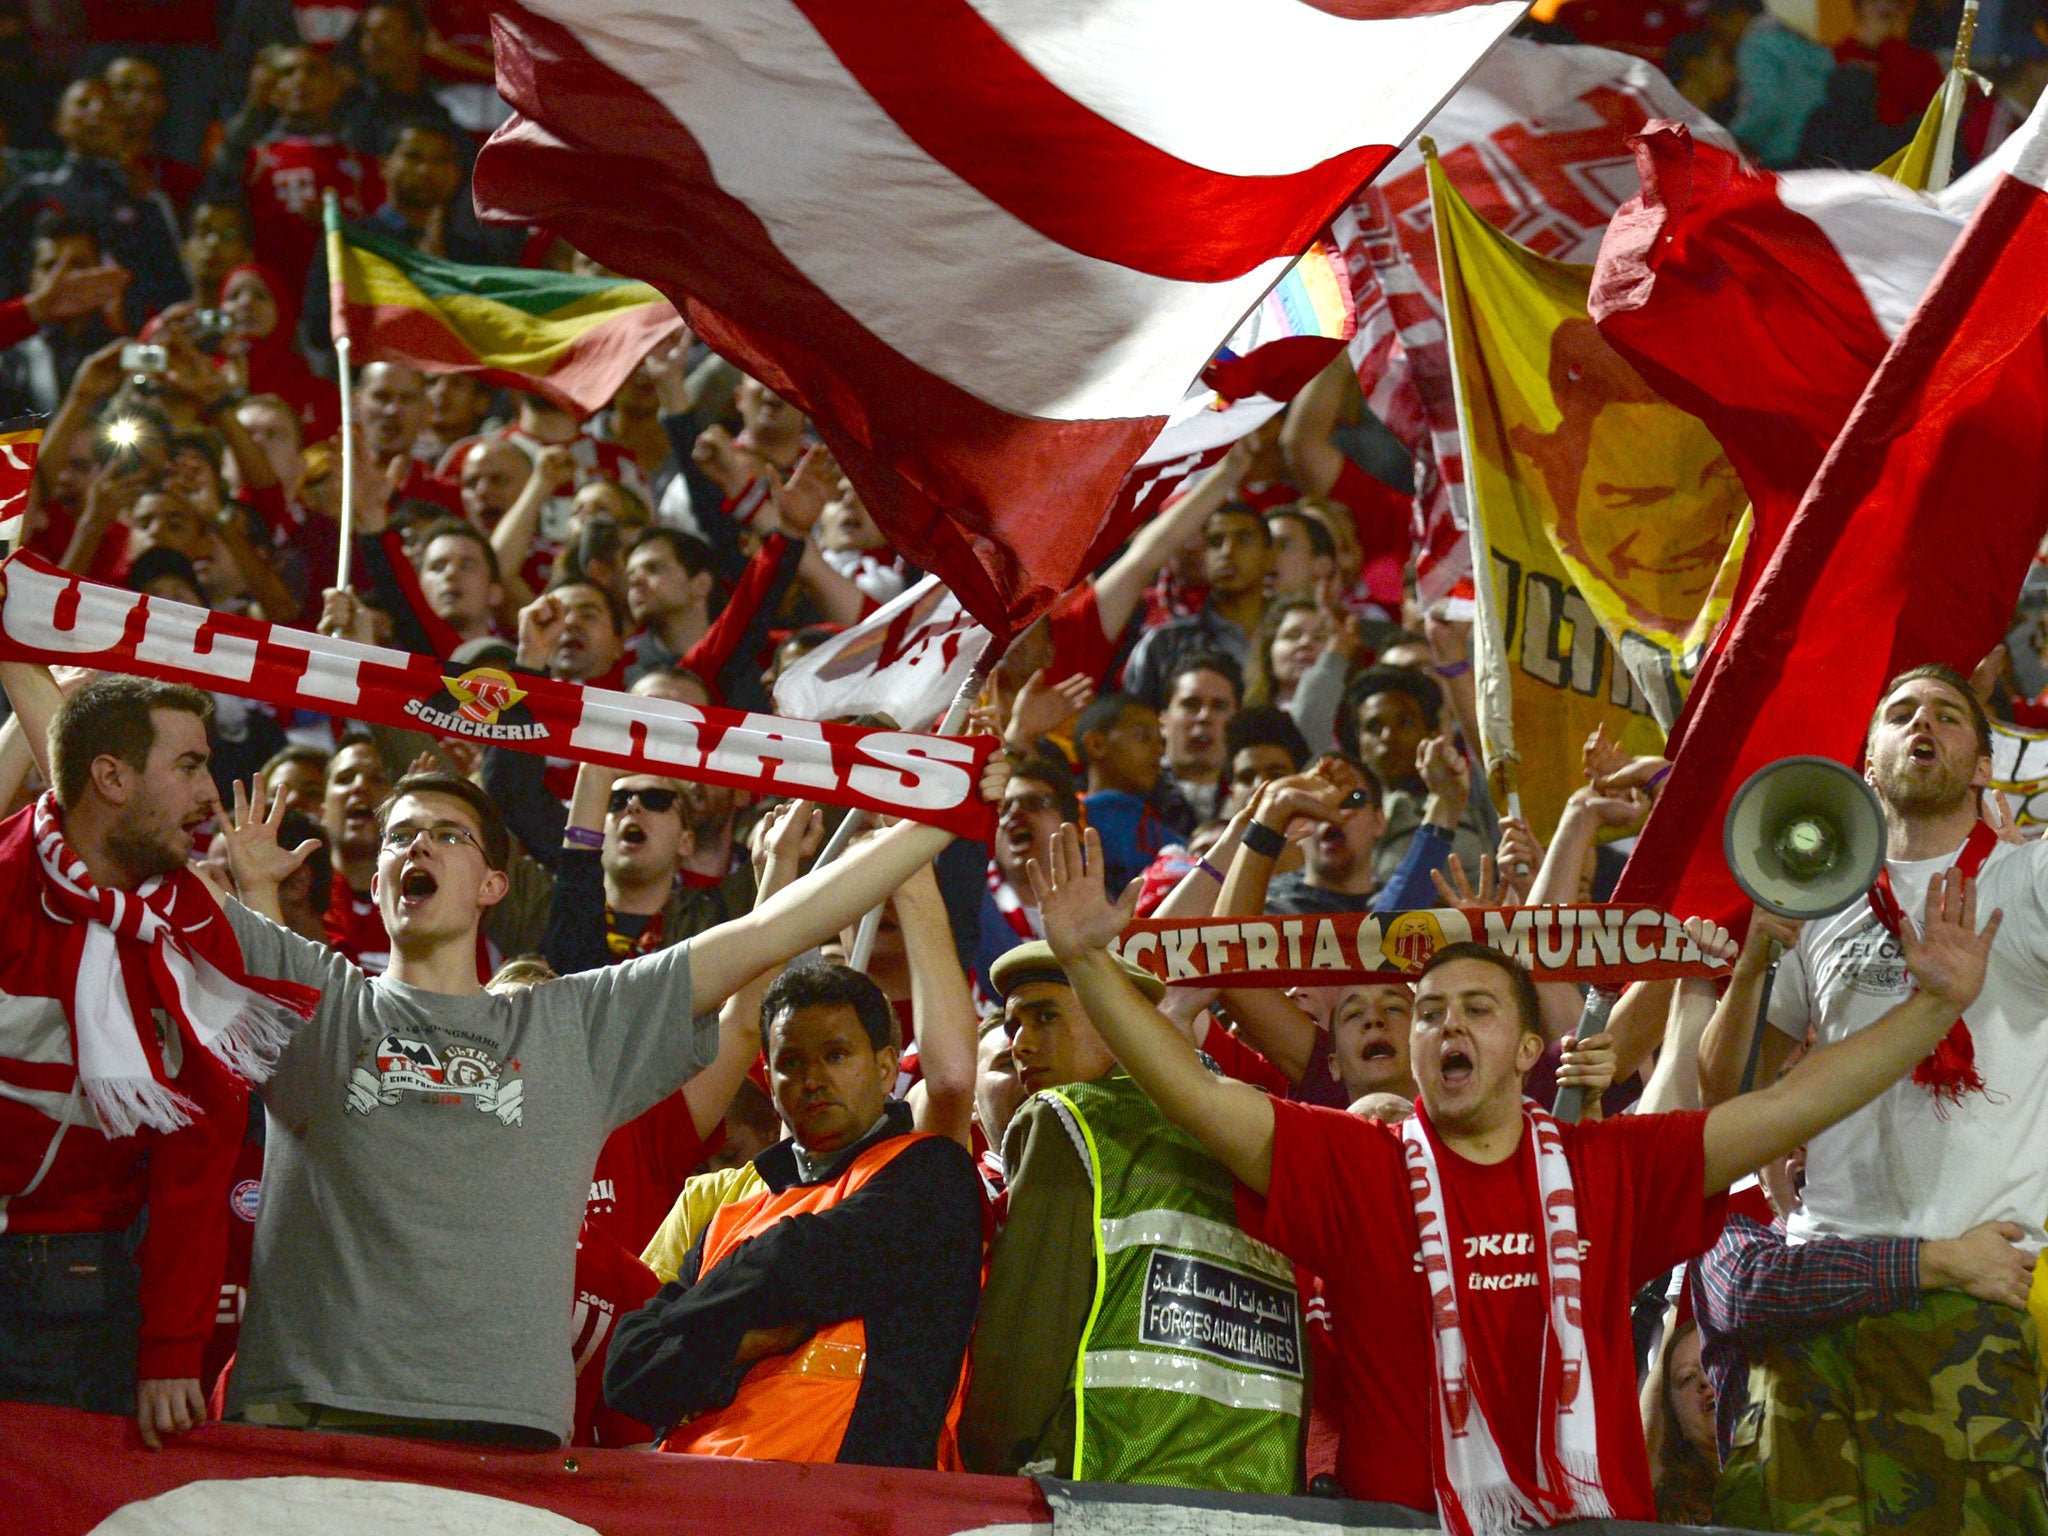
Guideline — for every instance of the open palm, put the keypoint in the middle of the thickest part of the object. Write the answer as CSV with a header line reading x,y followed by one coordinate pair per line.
x,y
1075,908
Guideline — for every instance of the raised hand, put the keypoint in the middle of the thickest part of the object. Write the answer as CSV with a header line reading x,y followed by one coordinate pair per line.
x,y
1998,812
1601,755
1296,804
344,615
1714,942
1949,954
1067,885
1458,890
554,467
540,629
1517,859
1445,773
800,500
1587,1064
786,838
1041,707
715,453
1765,930
995,778
258,864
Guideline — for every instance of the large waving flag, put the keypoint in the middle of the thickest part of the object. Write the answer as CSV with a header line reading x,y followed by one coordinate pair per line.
x,y
1537,142
986,244
1607,512
1909,547
571,338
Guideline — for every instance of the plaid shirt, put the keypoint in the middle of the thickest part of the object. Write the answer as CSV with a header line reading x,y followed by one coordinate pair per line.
x,y
1753,1287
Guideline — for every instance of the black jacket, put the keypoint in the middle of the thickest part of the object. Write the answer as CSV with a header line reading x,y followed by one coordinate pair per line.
x,y
902,1253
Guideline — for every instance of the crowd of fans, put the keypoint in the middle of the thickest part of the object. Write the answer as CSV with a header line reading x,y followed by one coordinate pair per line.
x,y
997,1200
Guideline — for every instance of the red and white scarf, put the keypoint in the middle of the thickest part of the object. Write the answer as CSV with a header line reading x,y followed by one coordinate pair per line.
x,y
1011,905
166,940
1950,1071
1476,1493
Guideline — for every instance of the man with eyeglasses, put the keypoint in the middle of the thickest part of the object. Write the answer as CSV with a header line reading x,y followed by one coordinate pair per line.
x,y
1337,858
431,1143
1040,797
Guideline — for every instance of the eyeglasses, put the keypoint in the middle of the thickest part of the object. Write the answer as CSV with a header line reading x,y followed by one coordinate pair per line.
x,y
656,800
1029,804
1357,800
443,834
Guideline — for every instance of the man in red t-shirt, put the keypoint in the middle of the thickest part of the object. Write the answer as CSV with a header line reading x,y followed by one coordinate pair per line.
x,y
1480,1259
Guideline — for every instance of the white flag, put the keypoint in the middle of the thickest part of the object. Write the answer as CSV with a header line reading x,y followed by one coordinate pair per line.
x,y
906,661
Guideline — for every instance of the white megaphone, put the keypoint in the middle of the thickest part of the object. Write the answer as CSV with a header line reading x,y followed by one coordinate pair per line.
x,y
1804,838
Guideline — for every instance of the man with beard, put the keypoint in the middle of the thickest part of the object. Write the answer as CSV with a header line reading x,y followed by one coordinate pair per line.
x,y
669,582
357,783
109,1121
437,1139
1481,1257
1067,1375
1337,857
1959,1144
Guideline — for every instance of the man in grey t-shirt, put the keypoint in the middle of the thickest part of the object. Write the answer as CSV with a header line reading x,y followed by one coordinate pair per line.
x,y
431,1144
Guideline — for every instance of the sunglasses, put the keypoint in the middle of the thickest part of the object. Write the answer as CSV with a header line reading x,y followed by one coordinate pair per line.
x,y
656,800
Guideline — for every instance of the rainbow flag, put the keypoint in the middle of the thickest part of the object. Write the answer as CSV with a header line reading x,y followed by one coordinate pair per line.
x,y
572,339
1295,329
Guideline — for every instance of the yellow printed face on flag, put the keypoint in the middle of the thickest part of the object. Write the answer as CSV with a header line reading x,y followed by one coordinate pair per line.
x,y
1609,514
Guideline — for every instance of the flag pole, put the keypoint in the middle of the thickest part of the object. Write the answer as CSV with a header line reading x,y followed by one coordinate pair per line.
x,y
1954,90
955,717
1493,693
337,288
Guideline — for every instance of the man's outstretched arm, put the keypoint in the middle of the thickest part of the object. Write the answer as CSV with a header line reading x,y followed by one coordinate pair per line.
x,y
824,901
1233,1120
1947,958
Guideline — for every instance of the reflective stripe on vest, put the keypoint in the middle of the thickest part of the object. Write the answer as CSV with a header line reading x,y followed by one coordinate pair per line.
x,y
792,1407
1191,1366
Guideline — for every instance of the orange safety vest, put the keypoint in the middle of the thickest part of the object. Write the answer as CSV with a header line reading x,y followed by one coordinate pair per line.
x,y
796,1407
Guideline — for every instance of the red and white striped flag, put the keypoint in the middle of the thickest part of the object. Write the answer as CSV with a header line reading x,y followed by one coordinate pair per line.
x,y
986,244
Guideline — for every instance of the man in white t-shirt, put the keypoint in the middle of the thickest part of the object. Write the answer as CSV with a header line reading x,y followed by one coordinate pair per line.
x,y
1961,1141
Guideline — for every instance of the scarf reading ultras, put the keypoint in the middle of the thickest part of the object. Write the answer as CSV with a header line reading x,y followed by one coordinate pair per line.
x,y
168,942
1951,1071
1476,1493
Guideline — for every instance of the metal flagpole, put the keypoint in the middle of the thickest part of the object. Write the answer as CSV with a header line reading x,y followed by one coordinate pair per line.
x,y
337,287
955,716
1954,91
1493,694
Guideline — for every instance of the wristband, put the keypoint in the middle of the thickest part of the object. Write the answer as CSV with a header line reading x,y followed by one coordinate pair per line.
x,y
1454,669
583,837
1210,870
1264,841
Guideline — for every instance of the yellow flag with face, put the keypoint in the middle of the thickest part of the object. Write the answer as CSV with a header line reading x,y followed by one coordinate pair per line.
x,y
1614,522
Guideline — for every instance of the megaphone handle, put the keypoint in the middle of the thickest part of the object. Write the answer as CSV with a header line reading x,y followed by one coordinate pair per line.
x,y
1571,1101
1763,1020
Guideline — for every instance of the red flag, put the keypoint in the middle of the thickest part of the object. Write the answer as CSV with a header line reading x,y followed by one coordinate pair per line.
x,y
1762,303
1909,548
985,245
66,1472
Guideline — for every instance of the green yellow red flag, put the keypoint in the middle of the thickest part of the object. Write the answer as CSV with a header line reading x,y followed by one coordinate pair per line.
x,y
571,338
1614,521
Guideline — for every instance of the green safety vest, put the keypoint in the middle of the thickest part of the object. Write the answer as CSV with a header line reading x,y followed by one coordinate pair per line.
x,y
1192,1366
